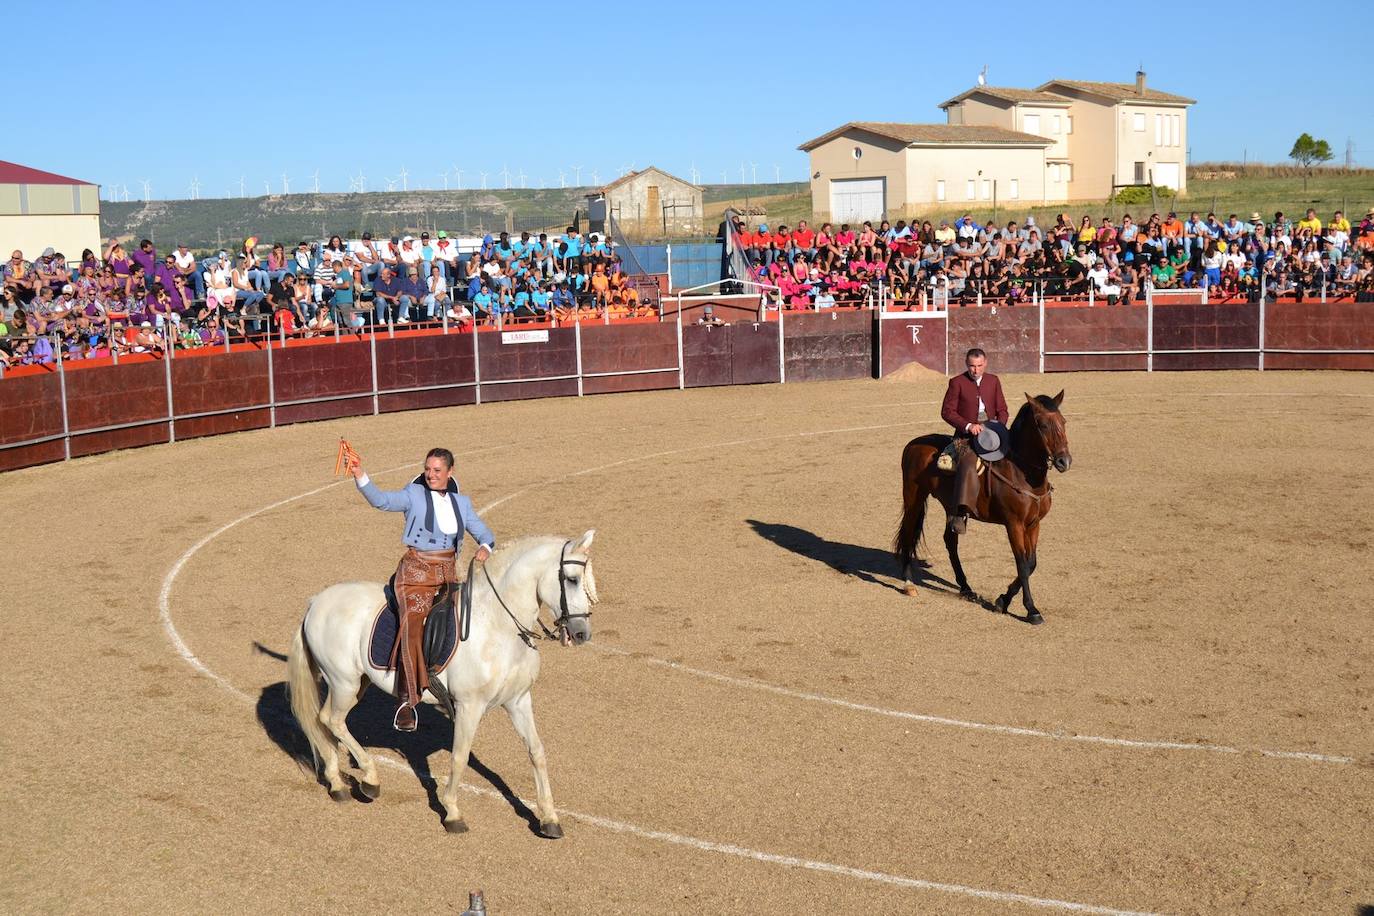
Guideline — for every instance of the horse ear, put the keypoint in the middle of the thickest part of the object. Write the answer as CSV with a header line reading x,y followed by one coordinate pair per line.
x,y
1059,398
1029,400
584,543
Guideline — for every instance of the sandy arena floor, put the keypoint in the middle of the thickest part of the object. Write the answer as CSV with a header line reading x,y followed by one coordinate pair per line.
x,y
762,723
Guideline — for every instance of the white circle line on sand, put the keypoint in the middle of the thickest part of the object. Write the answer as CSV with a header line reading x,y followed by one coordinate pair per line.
x,y
728,849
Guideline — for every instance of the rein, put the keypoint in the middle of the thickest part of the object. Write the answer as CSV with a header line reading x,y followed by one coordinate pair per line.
x,y
992,468
527,635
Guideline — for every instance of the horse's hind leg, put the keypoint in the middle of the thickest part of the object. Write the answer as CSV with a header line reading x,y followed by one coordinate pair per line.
x,y
521,712
341,702
952,545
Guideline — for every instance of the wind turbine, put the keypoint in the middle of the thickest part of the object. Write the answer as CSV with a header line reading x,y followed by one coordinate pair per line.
x,y
596,178
444,176
696,176
390,183
777,173
724,176
458,174
242,187
147,189
285,184
522,178
195,187
484,180
741,173
505,175
266,188
577,175
562,179
404,174
754,172
126,192
352,185
316,176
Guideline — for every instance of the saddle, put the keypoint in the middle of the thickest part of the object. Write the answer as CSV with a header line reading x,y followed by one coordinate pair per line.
x,y
949,457
441,629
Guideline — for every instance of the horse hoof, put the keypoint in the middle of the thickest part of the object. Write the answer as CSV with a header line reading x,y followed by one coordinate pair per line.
x,y
371,790
458,826
340,795
1000,605
968,594
1034,618
551,831
910,591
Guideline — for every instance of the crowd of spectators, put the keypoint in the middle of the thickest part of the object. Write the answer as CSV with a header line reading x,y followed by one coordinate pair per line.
x,y
146,302
967,262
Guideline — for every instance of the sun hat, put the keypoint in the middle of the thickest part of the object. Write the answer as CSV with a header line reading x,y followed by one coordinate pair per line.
x,y
993,443
443,234
1255,217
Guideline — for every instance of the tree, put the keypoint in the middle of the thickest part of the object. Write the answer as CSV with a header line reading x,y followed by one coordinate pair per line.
x,y
1307,151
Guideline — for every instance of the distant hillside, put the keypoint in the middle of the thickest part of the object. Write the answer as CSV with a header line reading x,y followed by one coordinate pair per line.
x,y
217,222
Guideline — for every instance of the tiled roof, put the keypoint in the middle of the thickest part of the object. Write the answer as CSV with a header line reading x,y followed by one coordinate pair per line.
x,y
1010,94
954,134
1120,92
14,173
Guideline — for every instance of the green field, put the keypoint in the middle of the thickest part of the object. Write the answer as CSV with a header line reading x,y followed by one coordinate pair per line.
x,y
1252,188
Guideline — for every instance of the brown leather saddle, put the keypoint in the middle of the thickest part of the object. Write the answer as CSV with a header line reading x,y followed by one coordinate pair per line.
x,y
441,628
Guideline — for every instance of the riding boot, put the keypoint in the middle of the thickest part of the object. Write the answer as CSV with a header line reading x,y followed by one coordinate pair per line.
x,y
965,490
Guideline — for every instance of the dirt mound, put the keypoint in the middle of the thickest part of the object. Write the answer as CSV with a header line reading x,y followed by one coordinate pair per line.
x,y
915,372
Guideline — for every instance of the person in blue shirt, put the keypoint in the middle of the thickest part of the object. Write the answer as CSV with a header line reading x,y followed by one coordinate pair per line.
x,y
563,301
520,303
504,250
483,303
416,291
572,250
539,301
541,254
599,251
521,247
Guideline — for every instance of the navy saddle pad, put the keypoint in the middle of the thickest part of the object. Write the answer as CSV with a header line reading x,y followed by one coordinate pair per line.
x,y
441,629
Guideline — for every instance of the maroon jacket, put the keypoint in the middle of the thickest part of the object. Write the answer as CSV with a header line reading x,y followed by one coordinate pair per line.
x,y
961,401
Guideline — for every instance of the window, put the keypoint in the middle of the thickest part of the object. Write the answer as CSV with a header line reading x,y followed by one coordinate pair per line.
x,y
1161,132
1068,124
1138,122
1068,171
1054,172
1031,123
858,153
1055,125
969,191
1015,189
1175,122
940,189
1140,173
987,189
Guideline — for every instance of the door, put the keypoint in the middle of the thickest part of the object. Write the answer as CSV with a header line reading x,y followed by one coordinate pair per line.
x,y
655,211
853,200
1166,174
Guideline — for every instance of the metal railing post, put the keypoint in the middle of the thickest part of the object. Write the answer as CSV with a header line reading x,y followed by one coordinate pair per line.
x,y
1041,298
62,392
681,367
372,345
171,410
577,336
1149,329
476,363
782,356
272,390
1261,329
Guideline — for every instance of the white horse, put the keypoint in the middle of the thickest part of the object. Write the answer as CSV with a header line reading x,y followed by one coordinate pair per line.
x,y
495,666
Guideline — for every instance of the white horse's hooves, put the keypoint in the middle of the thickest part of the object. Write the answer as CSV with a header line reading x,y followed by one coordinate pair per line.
x,y
370,789
458,826
551,831
340,795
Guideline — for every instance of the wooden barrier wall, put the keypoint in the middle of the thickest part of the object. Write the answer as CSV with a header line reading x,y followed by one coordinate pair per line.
x,y
49,414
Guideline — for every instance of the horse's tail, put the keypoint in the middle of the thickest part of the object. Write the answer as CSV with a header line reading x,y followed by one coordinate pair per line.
x,y
303,687
911,528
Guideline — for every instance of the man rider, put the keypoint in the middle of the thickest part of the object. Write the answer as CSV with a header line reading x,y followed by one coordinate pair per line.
x,y
973,398
436,515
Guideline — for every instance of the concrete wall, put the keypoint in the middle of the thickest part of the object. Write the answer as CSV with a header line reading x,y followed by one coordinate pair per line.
x,y
1139,146
630,203
927,165
834,160
68,234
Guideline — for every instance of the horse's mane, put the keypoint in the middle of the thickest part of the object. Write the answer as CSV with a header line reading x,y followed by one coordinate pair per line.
x,y
503,556
1044,401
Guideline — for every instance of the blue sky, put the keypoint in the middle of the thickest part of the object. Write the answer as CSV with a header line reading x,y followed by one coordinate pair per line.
x,y
536,88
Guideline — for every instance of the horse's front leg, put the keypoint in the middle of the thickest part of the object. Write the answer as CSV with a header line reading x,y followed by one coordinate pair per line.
x,y
465,720
521,710
1017,535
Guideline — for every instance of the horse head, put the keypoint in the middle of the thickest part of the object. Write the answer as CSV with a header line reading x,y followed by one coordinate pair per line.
x,y
570,589
1041,417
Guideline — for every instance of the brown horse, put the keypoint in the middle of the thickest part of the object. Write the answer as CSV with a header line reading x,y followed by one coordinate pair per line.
x,y
1015,493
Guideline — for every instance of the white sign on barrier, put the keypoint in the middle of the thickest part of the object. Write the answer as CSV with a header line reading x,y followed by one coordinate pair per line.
x,y
519,337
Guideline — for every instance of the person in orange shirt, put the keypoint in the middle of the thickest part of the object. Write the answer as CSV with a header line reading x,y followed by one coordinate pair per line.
x,y
1172,230
761,247
601,286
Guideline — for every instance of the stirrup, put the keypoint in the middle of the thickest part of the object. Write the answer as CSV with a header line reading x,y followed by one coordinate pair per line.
x,y
414,718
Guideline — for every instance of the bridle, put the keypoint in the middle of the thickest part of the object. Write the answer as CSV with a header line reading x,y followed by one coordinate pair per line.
x,y
527,635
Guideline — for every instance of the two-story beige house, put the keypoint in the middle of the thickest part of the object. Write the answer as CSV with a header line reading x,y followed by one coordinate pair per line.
x,y
1064,140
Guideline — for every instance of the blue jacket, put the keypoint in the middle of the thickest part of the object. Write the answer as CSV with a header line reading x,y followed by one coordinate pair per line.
x,y
421,530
